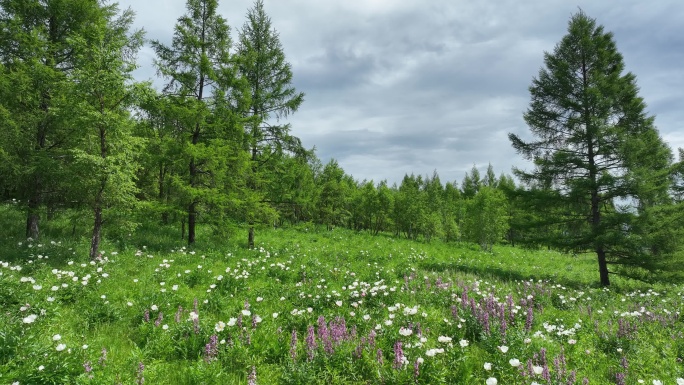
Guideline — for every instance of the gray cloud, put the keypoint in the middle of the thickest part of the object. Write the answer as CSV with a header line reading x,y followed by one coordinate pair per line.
x,y
415,86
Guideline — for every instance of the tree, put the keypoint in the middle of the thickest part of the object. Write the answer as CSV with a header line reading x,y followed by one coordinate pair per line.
x,y
100,98
597,153
262,63
36,55
486,219
208,100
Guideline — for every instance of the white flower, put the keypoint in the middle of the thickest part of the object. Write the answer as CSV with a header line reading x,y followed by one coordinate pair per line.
x,y
60,347
680,381
246,313
259,299
193,316
220,326
232,321
537,369
463,343
56,337
154,308
503,348
405,332
174,287
657,382
487,366
338,303
41,368
30,319
165,327
514,362
491,381
444,339
275,315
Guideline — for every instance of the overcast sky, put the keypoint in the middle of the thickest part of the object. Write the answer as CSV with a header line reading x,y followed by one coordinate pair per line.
x,y
412,86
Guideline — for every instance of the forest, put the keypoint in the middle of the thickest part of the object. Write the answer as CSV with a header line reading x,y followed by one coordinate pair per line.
x,y
82,140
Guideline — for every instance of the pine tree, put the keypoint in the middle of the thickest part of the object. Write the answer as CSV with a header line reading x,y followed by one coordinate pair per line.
x,y
101,93
598,158
263,64
36,55
208,99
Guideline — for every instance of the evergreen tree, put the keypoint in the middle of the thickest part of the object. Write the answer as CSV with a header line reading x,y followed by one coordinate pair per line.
x,y
596,152
102,92
208,100
263,64
36,55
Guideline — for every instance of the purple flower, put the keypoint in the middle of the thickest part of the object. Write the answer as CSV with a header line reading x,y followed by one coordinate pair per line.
x,y
293,344
398,355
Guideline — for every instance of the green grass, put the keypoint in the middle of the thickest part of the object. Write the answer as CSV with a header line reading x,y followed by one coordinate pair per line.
x,y
371,290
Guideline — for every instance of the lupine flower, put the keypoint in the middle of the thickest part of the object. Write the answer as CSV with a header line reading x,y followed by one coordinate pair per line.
x,y
251,379
139,376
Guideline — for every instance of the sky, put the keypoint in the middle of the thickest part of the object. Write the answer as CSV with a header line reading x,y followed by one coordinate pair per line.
x,y
395,87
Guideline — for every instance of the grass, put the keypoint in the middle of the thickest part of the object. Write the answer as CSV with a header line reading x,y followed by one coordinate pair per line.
x,y
310,306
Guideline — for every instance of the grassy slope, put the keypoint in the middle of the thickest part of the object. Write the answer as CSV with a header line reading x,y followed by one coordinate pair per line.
x,y
298,270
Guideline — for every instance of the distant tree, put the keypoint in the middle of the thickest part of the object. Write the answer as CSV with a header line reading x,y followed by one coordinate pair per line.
x,y
596,153
99,101
263,64
207,102
490,179
334,195
471,183
486,220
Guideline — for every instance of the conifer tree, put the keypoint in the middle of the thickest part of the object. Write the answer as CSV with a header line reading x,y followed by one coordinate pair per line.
x,y
102,92
597,155
263,64
36,55
208,99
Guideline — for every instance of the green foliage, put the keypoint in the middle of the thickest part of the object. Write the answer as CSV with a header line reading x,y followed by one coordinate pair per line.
x,y
599,161
487,218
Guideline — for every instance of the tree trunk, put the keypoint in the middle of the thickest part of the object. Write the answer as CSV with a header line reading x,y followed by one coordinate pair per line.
x,y
250,237
603,266
192,220
97,231
32,219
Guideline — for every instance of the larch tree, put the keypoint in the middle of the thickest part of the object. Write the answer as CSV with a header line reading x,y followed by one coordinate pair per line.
x,y
36,57
273,98
207,102
597,155
100,98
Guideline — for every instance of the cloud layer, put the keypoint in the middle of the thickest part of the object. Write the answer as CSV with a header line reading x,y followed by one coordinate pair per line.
x,y
395,87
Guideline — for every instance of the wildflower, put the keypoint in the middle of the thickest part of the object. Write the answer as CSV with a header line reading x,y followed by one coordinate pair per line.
x,y
246,313
444,339
514,362
537,370
60,347
405,332
84,347
680,381
275,315
487,366
463,343
503,348
29,319
220,326
251,379
56,337
491,381
41,368
232,321
657,382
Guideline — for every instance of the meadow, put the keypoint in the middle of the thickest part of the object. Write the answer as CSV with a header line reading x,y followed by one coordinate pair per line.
x,y
312,306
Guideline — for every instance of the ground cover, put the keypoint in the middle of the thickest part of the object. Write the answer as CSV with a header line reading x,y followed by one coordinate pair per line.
x,y
314,306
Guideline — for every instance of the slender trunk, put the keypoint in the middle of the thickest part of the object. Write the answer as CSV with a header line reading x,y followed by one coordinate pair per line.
x,y
192,220
603,266
97,231
164,214
32,220
250,237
